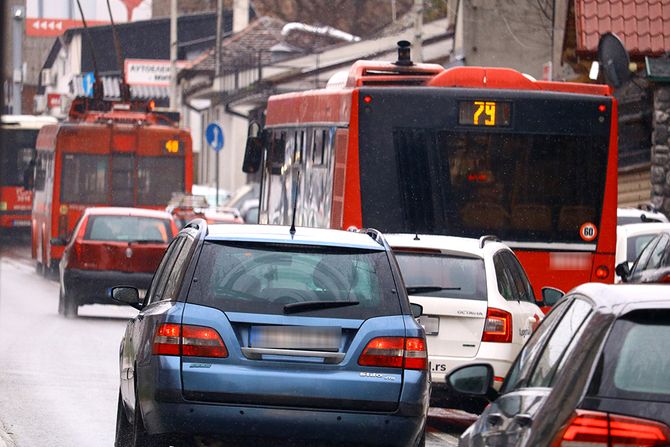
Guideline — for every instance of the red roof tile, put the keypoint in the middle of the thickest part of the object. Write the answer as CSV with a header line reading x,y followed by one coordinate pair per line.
x,y
642,25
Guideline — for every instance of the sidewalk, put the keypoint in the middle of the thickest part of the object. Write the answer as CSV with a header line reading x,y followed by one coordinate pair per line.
x,y
5,439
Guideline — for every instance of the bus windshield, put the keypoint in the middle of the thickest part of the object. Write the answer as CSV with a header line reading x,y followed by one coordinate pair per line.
x,y
534,188
17,149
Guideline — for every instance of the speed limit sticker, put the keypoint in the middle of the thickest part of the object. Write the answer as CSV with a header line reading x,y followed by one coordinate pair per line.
x,y
588,231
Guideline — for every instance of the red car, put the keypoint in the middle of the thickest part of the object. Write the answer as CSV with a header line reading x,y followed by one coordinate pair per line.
x,y
111,247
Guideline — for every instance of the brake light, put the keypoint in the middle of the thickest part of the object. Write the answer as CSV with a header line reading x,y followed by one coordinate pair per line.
x,y
665,279
197,341
602,272
608,430
395,352
498,326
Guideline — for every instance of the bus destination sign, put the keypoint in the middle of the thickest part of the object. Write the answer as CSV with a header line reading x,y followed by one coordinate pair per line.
x,y
484,113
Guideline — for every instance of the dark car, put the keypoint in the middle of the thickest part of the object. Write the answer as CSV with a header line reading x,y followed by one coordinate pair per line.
x,y
111,246
250,333
596,372
652,264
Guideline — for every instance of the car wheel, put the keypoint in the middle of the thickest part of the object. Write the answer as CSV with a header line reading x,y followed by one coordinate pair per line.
x,y
124,429
140,437
70,305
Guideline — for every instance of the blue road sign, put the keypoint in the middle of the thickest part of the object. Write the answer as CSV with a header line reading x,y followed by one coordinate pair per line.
x,y
87,82
214,135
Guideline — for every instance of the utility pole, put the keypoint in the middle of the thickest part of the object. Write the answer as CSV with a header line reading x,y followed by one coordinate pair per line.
x,y
417,50
18,14
217,81
173,55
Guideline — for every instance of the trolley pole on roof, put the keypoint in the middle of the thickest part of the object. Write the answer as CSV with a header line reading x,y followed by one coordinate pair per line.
x,y
173,54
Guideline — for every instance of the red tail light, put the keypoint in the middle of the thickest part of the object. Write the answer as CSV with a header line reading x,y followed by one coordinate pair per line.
x,y
597,429
394,352
602,272
665,279
197,341
498,326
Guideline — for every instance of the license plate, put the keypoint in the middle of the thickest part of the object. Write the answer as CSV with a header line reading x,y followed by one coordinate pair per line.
x,y
296,337
430,324
21,223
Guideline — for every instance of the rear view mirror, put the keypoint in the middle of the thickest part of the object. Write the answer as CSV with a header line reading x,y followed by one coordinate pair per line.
x,y
473,380
623,271
127,295
551,295
417,309
253,153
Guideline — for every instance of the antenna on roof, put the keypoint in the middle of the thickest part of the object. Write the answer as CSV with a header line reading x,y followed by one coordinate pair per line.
x,y
295,203
98,89
124,89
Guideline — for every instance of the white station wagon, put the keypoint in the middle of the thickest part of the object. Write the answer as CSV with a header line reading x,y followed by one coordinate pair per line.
x,y
478,305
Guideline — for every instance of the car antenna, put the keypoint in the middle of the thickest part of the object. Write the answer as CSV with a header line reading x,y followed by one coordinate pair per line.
x,y
98,88
416,236
295,204
124,89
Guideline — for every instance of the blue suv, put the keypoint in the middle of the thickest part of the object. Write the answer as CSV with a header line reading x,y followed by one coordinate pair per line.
x,y
259,335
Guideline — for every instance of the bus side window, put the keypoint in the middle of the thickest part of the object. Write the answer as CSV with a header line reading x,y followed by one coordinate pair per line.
x,y
40,172
277,154
319,148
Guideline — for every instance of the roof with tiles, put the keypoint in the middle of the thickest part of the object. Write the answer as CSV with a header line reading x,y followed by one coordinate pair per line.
x,y
642,25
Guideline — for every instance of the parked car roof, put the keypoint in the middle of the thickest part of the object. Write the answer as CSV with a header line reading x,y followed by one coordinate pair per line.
x,y
303,235
127,211
621,298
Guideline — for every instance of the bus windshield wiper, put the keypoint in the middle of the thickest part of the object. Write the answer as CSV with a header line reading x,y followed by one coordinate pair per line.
x,y
427,289
316,305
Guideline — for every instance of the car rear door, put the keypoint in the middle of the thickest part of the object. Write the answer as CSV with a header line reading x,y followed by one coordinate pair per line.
x,y
279,357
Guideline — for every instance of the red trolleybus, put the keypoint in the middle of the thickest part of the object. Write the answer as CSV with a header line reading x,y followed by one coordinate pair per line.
x,y
17,150
120,154
466,151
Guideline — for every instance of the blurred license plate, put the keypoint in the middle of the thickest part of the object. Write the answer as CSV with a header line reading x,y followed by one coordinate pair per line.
x,y
430,324
296,337
21,223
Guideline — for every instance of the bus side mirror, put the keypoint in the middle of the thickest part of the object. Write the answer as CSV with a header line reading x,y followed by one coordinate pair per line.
x,y
253,154
623,271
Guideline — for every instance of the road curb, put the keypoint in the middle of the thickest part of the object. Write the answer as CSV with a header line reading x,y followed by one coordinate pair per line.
x,y
450,417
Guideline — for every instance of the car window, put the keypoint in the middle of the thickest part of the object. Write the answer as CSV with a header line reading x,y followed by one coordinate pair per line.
x,y
128,228
265,277
520,280
503,278
658,253
518,373
450,276
159,280
635,244
643,259
559,344
635,362
174,279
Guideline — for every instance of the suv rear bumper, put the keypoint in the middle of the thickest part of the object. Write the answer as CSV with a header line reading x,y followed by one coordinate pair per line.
x,y
92,286
297,426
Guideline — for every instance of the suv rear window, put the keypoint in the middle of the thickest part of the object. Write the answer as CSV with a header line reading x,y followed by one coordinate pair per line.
x,y
128,228
635,363
265,277
449,276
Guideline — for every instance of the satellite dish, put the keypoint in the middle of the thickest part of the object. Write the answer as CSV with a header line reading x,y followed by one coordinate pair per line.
x,y
614,60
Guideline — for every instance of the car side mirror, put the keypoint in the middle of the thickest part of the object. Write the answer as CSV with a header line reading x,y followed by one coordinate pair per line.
x,y
623,271
472,380
417,309
253,152
58,242
127,295
551,295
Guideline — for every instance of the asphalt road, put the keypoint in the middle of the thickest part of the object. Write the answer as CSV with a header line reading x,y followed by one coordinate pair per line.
x,y
59,377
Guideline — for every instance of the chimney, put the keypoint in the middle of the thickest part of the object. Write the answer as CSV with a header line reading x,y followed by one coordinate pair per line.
x,y
240,15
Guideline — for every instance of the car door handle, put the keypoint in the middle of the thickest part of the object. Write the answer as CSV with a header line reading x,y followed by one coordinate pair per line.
x,y
494,419
523,420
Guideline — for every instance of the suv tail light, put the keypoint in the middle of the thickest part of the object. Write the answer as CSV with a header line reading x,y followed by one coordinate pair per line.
x,y
498,326
196,341
598,429
395,352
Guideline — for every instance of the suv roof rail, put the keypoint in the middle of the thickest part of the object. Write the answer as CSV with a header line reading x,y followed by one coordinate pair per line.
x,y
376,235
197,224
488,238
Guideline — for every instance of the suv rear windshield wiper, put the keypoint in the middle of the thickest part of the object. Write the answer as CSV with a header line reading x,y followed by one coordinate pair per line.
x,y
316,305
427,289
146,241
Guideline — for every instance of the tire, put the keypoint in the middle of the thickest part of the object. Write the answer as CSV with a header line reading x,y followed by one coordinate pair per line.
x,y
124,429
140,437
70,305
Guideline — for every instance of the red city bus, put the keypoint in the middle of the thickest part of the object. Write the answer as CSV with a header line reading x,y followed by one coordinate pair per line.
x,y
17,150
120,154
465,151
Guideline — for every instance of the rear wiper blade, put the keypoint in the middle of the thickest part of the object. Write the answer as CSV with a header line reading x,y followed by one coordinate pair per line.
x,y
427,289
316,305
146,241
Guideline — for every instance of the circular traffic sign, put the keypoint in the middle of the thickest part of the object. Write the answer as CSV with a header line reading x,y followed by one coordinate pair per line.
x,y
588,231
214,136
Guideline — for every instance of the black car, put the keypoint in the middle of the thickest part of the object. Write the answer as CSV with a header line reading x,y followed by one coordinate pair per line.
x,y
652,264
596,372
